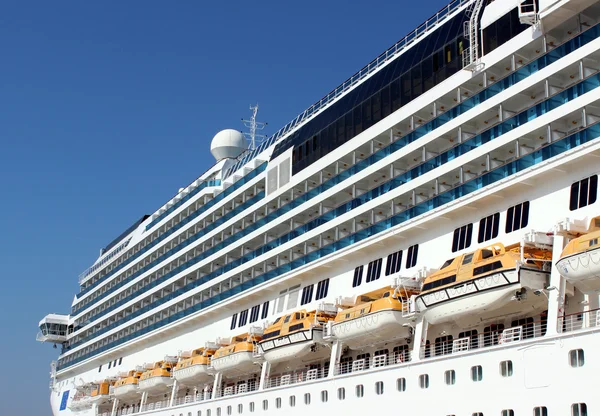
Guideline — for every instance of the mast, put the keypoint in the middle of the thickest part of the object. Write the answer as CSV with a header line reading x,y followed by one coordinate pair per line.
x,y
254,126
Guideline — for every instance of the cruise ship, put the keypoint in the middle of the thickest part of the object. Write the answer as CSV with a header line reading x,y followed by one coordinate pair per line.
x,y
422,240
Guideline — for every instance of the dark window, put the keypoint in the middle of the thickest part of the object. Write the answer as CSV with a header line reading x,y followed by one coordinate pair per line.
x,y
491,334
473,338
527,327
540,411
358,272
443,345
487,268
393,263
287,319
584,193
502,30
265,310
109,364
411,256
272,334
233,321
468,258
517,217
296,327
99,368
374,270
462,237
254,313
439,282
579,409
488,228
243,318
307,294
322,289
120,360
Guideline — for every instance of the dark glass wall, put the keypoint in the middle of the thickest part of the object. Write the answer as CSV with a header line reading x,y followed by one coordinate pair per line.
x,y
502,30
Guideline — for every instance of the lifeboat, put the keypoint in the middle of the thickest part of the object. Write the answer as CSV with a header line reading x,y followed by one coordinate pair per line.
x,y
295,335
158,378
483,281
579,262
238,356
193,370
373,317
91,393
127,386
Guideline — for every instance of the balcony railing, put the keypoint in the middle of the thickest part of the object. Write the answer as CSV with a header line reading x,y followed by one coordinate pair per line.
x,y
295,377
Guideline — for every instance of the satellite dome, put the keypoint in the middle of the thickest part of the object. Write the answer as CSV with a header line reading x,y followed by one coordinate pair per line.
x,y
228,144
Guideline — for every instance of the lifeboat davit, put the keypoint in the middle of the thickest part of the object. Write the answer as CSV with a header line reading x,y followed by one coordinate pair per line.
x,y
374,317
296,335
92,393
158,378
579,262
127,386
193,370
237,357
483,281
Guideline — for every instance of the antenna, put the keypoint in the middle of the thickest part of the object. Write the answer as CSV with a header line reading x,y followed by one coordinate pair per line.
x,y
254,126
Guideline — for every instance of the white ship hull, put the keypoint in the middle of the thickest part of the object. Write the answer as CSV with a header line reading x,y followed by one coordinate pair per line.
x,y
374,327
193,375
582,269
156,384
129,391
478,296
237,363
297,345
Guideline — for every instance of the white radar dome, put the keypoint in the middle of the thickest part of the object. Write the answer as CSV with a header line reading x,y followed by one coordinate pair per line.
x,y
228,144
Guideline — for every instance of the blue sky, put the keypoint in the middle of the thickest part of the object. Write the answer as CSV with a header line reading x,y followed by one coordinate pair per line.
x,y
107,108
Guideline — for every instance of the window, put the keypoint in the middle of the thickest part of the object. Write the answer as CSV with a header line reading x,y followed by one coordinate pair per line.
x,y
109,364
306,398
265,310
251,406
476,373
473,338
265,404
540,411
411,257
379,387
341,393
517,217
218,411
243,318
584,193
293,297
507,412
527,326
358,272
506,368
240,408
207,412
393,263
477,414
374,270
120,360
401,384
462,237
576,358
579,409
491,334
292,401
254,313
324,396
307,294
424,381
322,289
360,390
229,411
278,402
488,228
450,377
443,345
99,368
233,321
199,412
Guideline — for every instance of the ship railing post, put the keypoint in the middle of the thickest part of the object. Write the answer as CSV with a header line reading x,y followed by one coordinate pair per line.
x,y
419,338
264,375
217,385
336,353
173,393
115,407
555,303
144,399
591,309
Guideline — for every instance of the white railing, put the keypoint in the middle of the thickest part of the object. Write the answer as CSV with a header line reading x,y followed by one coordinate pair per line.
x,y
87,272
295,377
511,335
579,320
377,361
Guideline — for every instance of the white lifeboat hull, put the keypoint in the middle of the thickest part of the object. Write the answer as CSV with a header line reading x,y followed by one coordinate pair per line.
x,y
582,269
237,363
293,346
157,384
480,295
128,391
374,327
193,375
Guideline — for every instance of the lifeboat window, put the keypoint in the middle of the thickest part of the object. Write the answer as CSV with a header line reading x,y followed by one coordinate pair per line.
x,y
472,336
476,373
450,377
306,398
446,263
576,358
233,321
358,272
360,390
322,289
265,310
401,384
296,327
287,319
487,268
254,313
278,402
424,381
486,254
506,368
292,401
411,257
593,242
341,393
443,345
277,320
347,316
462,237
298,316
374,270
488,228
584,193
379,387
271,335
386,295
393,263
324,396
517,217
468,258
540,411
579,409
307,294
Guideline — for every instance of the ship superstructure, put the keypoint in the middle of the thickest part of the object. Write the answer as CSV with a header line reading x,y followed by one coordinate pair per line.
x,y
429,229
